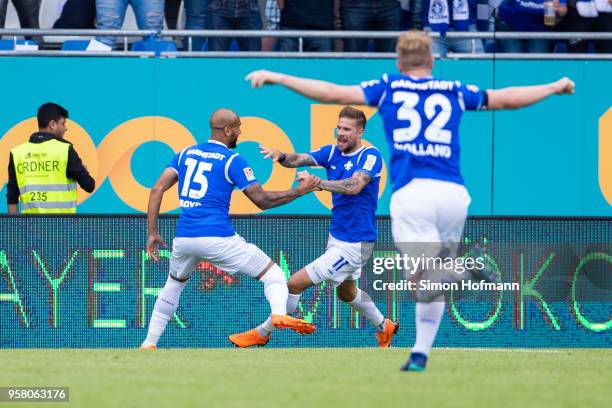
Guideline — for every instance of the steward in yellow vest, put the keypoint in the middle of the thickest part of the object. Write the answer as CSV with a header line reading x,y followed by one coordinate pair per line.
x,y
44,172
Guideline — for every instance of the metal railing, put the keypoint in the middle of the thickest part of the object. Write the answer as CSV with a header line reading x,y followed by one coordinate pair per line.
x,y
188,35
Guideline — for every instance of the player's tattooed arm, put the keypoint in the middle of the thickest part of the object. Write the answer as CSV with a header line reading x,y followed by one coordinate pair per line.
x,y
269,199
290,160
296,160
350,186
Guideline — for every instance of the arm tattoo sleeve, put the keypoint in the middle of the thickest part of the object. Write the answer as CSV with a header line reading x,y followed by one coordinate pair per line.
x,y
275,198
351,186
293,160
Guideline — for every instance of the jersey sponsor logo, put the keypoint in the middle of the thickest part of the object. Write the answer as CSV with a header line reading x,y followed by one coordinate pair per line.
x,y
426,149
348,166
248,172
434,84
370,162
206,155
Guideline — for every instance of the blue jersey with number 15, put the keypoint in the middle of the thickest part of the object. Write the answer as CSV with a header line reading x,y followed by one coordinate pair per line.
x,y
421,118
207,175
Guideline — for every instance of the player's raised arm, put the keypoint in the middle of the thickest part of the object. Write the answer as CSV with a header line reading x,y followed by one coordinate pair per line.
x,y
520,96
289,160
269,199
321,91
165,181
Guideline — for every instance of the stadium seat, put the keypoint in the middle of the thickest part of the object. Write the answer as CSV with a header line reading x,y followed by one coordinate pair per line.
x,y
75,45
6,45
9,45
152,44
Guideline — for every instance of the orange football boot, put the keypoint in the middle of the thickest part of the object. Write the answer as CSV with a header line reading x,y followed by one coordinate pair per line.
x,y
384,337
249,339
148,347
297,325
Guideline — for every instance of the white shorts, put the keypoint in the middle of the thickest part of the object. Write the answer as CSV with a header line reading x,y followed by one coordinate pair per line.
x,y
341,261
428,211
230,254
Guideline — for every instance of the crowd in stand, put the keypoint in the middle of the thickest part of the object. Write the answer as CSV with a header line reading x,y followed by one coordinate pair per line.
x,y
441,16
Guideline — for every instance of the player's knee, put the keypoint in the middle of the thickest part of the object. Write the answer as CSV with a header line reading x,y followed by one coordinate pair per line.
x,y
295,288
274,275
347,291
345,295
299,282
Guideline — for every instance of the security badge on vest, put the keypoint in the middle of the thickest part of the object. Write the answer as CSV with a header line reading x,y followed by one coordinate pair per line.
x,y
41,176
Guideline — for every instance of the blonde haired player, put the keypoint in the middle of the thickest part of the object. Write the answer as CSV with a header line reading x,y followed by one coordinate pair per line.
x,y
421,117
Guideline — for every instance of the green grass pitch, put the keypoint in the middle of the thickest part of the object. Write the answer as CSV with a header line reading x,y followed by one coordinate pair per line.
x,y
358,377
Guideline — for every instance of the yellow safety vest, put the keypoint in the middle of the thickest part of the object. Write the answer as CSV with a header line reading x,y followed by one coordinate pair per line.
x,y
41,178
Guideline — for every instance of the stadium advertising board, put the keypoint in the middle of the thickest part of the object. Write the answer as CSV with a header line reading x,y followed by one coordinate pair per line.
x,y
129,118
87,282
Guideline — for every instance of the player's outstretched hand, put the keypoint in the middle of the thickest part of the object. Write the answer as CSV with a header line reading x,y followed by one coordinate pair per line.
x,y
261,77
308,182
270,153
152,242
300,175
564,86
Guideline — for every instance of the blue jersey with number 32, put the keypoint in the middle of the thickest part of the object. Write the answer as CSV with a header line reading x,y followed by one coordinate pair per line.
x,y
207,175
421,118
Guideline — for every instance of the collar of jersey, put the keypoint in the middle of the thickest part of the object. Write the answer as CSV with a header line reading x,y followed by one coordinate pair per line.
x,y
216,142
425,78
354,153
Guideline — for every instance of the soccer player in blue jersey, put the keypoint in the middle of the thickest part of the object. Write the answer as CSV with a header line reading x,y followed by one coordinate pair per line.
x,y
207,174
353,172
421,118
